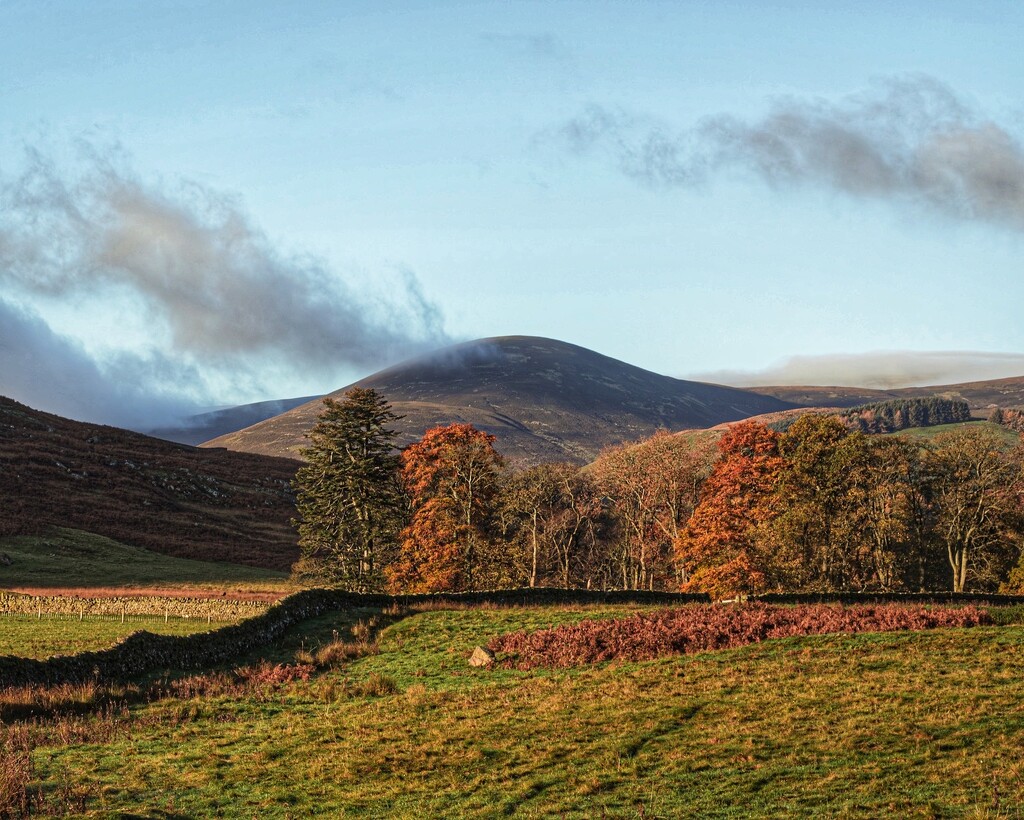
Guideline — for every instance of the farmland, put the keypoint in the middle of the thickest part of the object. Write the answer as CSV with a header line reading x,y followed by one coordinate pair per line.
x,y
73,558
888,724
30,637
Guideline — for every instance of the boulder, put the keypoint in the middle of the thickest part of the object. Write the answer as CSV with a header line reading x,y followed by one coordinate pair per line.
x,y
482,656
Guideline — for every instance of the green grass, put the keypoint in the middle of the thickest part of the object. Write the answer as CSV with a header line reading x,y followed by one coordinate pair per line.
x,y
29,637
71,558
885,725
1006,435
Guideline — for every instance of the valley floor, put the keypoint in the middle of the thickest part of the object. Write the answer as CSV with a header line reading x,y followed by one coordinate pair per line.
x,y
925,724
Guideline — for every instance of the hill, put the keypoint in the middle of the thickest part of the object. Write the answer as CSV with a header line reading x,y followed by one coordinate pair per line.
x,y
1008,438
981,396
543,399
173,499
205,426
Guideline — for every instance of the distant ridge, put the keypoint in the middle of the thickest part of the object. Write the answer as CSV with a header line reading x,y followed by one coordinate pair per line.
x,y
980,396
543,399
204,426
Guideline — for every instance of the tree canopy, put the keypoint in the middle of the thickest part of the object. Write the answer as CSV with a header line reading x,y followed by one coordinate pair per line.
x,y
349,501
452,476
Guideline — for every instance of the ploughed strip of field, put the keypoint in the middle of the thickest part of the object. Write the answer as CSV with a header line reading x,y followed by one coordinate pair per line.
x,y
703,628
268,596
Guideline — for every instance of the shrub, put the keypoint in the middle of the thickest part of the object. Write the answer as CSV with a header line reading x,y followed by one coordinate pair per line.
x,y
338,652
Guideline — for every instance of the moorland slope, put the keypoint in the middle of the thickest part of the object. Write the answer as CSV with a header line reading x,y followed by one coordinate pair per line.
x,y
171,498
205,426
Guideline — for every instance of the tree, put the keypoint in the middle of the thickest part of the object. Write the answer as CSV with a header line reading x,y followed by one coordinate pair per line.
x,y
898,516
452,476
653,486
976,488
350,504
721,550
549,513
821,526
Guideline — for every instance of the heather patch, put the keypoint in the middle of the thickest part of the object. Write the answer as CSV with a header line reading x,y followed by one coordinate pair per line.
x,y
703,628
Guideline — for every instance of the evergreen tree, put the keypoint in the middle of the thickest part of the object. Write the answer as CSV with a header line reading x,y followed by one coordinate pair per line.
x,y
350,503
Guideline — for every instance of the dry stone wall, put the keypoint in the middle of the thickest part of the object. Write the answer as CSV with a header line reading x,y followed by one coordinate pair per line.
x,y
143,652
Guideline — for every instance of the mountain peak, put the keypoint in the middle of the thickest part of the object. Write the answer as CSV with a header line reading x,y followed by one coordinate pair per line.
x,y
543,399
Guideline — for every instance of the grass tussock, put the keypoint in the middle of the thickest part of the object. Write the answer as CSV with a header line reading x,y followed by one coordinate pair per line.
x,y
339,651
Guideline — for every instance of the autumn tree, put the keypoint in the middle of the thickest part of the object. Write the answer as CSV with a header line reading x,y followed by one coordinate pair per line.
x,y
721,550
821,502
549,516
349,502
451,476
653,486
976,490
898,516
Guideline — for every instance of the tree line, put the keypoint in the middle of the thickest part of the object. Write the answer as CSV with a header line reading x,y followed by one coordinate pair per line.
x,y
817,507
901,414
1011,417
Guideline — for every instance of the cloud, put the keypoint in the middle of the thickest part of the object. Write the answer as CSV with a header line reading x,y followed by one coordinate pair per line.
x,y
907,138
223,301
881,370
47,371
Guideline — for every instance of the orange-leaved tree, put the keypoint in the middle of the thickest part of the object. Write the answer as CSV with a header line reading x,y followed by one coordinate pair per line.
x,y
719,552
451,476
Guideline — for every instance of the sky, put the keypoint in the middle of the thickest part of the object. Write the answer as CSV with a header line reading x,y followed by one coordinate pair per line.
x,y
205,204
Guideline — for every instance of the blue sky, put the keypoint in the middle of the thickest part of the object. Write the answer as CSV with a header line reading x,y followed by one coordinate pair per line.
x,y
210,203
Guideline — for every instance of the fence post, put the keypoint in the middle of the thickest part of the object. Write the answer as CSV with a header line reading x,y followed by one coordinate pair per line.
x,y
39,609
123,608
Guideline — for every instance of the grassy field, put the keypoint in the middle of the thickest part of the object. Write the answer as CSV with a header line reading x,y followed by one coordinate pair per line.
x,y
897,724
29,637
1008,436
71,558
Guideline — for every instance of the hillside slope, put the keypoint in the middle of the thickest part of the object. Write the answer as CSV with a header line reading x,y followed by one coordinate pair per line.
x,y
543,399
981,396
170,498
